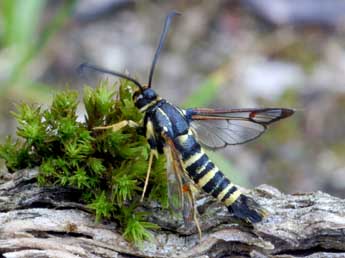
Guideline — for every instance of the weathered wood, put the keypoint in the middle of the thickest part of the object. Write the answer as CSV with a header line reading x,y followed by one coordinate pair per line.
x,y
50,222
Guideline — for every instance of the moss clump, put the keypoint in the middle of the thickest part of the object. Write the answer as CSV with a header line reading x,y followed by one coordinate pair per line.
x,y
108,167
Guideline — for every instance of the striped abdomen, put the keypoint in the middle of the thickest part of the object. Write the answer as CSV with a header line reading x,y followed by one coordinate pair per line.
x,y
208,177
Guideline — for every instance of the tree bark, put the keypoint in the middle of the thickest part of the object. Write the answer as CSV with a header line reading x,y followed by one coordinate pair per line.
x,y
51,222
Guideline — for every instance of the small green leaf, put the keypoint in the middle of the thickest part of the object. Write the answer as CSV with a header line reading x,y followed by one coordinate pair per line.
x,y
65,104
136,228
96,166
124,188
102,207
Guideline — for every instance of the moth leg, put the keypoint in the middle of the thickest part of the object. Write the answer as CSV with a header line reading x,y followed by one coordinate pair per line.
x,y
118,126
188,188
152,153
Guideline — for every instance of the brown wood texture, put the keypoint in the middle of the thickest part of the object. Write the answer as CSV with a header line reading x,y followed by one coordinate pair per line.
x,y
51,222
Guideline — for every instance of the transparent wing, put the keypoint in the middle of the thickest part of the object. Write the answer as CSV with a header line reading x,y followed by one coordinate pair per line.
x,y
178,184
175,183
220,133
217,128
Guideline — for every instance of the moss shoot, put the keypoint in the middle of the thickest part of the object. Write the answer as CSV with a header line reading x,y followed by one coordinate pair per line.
x,y
107,167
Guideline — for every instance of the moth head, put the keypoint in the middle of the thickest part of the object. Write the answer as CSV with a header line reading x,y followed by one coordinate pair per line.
x,y
143,98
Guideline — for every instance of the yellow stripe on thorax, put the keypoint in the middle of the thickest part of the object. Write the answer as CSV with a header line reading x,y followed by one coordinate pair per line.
x,y
150,104
163,113
181,111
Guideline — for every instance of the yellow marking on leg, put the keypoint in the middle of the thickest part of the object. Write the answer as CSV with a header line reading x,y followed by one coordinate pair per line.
x,y
149,130
132,123
194,158
155,153
206,178
118,126
232,198
147,175
223,193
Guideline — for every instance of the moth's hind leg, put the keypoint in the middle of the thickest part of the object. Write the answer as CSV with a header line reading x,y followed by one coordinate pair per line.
x,y
118,126
152,153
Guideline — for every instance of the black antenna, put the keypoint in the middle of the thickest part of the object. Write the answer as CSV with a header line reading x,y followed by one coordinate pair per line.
x,y
161,43
102,70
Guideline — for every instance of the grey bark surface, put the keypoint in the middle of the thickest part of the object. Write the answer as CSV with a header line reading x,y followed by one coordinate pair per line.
x,y
51,222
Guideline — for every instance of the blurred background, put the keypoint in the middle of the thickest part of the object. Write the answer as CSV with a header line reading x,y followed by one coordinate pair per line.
x,y
249,53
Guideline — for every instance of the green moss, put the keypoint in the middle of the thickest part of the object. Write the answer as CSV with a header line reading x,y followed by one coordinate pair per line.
x,y
109,168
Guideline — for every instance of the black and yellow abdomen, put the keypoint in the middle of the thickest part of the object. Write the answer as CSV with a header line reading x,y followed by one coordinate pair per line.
x,y
208,177
164,118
